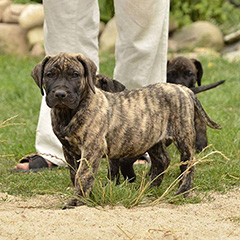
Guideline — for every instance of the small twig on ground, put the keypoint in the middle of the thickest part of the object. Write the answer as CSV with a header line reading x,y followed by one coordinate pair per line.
x,y
234,177
6,155
165,232
124,233
6,124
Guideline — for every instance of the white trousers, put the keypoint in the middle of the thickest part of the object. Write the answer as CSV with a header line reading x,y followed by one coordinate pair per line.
x,y
141,48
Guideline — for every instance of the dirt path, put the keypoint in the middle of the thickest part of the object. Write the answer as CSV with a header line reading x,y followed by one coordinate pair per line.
x,y
38,219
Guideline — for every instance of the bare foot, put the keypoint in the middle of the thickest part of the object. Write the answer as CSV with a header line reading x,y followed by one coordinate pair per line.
x,y
140,161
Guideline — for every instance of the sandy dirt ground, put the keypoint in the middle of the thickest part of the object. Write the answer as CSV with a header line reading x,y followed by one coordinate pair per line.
x,y
38,218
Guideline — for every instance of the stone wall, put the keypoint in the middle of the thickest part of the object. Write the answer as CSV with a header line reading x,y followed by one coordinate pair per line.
x,y
21,28
21,32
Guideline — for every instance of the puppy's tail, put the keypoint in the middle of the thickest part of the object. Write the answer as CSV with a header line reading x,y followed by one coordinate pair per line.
x,y
206,87
203,115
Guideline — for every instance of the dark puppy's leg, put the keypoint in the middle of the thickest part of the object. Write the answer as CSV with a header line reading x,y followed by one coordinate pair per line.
x,y
126,166
113,171
127,170
201,134
160,161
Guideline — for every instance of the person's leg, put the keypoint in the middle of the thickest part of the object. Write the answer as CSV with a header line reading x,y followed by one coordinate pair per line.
x,y
141,48
70,26
142,42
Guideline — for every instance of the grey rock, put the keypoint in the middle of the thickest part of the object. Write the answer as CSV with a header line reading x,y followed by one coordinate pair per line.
x,y
232,37
37,50
12,12
35,35
232,56
199,34
32,16
13,40
3,5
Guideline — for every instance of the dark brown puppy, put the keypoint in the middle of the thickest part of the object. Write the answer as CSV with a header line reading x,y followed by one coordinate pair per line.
x,y
189,72
108,84
88,120
181,70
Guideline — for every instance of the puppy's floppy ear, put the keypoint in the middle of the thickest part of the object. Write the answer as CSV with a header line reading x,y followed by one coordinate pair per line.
x,y
90,70
38,71
199,68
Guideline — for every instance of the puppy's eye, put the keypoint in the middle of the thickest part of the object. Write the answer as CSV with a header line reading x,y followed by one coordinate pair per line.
x,y
189,73
171,74
49,74
76,75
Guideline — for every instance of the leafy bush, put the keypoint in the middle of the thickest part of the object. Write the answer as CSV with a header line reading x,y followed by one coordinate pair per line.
x,y
220,12
235,2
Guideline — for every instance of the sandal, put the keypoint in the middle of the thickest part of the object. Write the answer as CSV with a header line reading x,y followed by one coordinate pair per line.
x,y
142,160
36,163
145,157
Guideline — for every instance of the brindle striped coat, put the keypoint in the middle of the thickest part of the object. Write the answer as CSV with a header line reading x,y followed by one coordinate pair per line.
x,y
91,123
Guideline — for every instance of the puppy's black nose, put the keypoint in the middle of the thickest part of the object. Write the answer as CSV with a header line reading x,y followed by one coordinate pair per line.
x,y
60,94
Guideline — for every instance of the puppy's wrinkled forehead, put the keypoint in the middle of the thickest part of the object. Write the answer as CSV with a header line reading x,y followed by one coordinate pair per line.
x,y
63,62
180,64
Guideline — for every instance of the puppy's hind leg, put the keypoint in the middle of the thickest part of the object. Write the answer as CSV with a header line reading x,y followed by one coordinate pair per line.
x,y
201,134
186,149
160,160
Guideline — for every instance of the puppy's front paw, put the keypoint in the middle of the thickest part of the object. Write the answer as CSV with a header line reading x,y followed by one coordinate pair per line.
x,y
72,203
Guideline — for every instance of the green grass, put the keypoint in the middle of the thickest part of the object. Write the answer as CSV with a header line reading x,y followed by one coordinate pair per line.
x,y
20,96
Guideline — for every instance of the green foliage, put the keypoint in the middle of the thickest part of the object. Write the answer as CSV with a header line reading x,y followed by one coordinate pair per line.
x,y
219,12
106,9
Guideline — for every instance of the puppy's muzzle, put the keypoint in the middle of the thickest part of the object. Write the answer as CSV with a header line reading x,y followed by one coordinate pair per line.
x,y
60,94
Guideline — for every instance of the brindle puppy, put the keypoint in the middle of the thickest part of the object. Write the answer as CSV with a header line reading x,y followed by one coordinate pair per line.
x,y
181,76
91,123
188,72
